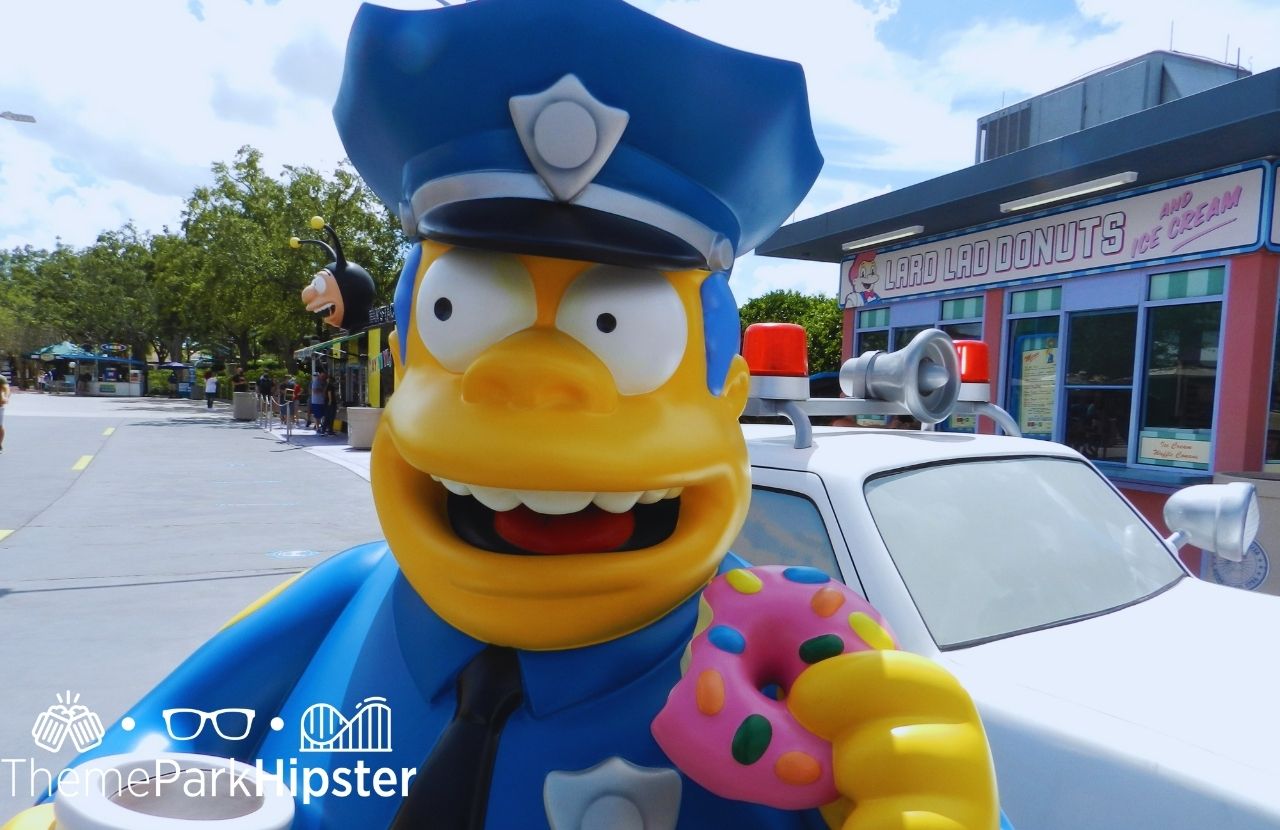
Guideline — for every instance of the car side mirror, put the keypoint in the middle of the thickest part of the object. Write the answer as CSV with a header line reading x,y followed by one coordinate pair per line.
x,y
1220,518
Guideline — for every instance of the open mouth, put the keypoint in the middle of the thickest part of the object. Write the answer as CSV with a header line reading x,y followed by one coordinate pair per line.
x,y
324,310
542,522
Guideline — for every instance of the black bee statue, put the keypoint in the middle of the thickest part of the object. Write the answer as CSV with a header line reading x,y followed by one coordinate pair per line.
x,y
341,292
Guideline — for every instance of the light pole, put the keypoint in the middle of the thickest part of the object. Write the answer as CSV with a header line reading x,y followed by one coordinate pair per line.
x,y
17,116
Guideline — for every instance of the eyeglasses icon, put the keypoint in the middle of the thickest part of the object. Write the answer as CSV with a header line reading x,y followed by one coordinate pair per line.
x,y
230,724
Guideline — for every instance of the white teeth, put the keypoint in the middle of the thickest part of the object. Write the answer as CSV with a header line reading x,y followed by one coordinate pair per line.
x,y
457,488
495,498
556,502
615,502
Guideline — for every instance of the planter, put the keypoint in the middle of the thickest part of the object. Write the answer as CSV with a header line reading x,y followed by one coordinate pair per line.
x,y
244,406
362,423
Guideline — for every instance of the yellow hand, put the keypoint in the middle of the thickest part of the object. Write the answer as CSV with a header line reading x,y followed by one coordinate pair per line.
x,y
909,750
34,818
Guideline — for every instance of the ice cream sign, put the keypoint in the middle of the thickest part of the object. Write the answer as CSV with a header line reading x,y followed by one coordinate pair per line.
x,y
1203,217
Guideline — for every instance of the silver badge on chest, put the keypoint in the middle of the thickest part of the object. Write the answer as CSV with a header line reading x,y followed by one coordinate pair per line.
x,y
613,795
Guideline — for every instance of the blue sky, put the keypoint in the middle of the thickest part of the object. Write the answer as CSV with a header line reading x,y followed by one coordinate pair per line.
x,y
135,101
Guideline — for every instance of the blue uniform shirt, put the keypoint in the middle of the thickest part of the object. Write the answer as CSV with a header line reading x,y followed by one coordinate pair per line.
x,y
354,629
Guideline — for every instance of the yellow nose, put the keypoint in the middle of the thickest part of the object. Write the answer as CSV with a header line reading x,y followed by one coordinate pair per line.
x,y
540,369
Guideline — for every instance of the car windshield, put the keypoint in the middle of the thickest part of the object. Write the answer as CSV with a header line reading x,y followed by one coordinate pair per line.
x,y
989,548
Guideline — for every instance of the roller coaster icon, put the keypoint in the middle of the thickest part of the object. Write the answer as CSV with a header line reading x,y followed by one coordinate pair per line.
x,y
324,729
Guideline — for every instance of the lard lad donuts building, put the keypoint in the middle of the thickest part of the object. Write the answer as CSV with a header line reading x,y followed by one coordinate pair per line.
x,y
1123,270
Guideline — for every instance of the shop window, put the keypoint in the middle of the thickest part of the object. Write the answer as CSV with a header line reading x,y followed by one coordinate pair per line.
x,y
965,308
1038,300
1032,396
1180,375
874,318
904,335
1202,282
872,341
873,331
1099,383
961,320
963,331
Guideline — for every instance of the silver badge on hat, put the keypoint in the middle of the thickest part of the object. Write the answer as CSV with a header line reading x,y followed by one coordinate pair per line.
x,y
567,133
613,795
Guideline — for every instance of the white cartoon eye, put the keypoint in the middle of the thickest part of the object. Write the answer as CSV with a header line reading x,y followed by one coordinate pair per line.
x,y
469,300
317,282
630,318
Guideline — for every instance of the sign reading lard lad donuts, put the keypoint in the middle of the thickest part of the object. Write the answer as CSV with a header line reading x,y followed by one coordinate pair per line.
x,y
1179,221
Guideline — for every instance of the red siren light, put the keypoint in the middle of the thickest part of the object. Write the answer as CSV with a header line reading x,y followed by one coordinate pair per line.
x,y
974,365
776,350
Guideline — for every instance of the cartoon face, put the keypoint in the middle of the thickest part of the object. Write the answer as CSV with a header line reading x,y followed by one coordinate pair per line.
x,y
867,277
552,470
323,296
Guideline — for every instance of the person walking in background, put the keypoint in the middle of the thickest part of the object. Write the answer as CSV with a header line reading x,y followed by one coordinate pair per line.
x,y
210,388
289,394
330,405
239,383
315,408
4,400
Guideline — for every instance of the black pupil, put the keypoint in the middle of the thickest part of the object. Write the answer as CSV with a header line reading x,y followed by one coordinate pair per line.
x,y
443,309
606,322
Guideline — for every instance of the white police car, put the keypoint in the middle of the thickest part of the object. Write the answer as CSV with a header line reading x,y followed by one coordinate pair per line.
x,y
1118,691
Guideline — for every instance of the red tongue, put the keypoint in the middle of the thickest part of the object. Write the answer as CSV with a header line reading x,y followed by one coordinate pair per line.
x,y
587,531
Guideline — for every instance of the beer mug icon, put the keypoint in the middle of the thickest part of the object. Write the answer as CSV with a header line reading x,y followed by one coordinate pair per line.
x,y
67,717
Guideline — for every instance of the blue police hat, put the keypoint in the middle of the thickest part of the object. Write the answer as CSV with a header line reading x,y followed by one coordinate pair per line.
x,y
584,129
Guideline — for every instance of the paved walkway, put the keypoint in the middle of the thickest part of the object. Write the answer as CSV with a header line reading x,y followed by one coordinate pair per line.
x,y
132,529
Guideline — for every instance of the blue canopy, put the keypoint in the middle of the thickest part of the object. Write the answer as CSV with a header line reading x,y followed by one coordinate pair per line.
x,y
69,351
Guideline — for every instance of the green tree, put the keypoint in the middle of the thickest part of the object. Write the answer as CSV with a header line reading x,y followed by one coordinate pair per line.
x,y
247,279
819,315
173,287
226,281
112,291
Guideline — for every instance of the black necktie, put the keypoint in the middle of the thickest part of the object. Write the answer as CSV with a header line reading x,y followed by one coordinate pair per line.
x,y
451,790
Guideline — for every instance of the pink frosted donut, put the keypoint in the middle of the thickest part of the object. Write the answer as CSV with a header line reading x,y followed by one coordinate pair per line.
x,y
757,628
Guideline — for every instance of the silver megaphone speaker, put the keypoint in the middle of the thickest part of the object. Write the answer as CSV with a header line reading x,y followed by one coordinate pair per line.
x,y
924,377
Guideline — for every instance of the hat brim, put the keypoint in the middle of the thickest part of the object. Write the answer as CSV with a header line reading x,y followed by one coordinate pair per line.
x,y
557,229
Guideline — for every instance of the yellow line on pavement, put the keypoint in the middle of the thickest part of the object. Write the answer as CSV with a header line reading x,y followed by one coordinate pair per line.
x,y
108,430
82,463
4,533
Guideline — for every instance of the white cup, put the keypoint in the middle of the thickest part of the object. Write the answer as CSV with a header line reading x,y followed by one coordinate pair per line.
x,y
170,792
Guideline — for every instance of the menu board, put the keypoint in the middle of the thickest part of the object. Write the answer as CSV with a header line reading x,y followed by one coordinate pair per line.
x,y
1036,393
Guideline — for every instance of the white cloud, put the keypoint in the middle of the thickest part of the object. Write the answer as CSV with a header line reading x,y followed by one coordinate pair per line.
x,y
755,275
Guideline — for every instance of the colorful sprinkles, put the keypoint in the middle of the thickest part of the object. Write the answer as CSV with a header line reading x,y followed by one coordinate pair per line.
x,y
797,768
752,739
817,649
743,581
727,639
709,693
826,602
808,576
716,690
870,631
